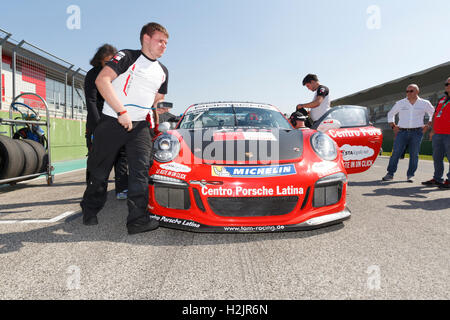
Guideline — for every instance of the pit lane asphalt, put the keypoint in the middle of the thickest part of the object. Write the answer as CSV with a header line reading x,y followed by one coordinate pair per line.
x,y
395,246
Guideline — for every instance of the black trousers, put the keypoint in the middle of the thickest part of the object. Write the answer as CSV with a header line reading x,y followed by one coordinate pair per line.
x,y
110,137
121,171
120,165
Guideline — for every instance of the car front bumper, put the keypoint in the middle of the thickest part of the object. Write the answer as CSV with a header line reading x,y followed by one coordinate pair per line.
x,y
310,224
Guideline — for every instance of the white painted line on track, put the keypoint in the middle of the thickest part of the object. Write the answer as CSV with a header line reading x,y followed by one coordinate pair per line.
x,y
52,220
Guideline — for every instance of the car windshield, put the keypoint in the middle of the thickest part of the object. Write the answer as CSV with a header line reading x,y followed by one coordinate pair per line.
x,y
234,115
349,116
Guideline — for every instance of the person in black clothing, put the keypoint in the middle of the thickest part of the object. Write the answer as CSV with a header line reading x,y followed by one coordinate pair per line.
x,y
298,119
131,83
94,104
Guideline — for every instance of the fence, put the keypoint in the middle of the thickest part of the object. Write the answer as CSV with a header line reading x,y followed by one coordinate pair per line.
x,y
25,67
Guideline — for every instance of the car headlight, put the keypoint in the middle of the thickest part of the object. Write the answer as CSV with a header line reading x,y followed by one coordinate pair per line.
x,y
324,146
166,148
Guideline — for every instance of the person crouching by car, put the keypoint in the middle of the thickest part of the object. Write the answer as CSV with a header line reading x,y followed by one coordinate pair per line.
x,y
94,104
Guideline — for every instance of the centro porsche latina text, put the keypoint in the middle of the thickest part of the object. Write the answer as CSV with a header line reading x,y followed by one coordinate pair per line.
x,y
252,192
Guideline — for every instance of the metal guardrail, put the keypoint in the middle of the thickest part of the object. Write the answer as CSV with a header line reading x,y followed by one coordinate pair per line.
x,y
44,66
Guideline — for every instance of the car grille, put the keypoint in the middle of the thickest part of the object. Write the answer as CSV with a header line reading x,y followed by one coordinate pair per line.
x,y
327,195
252,206
172,197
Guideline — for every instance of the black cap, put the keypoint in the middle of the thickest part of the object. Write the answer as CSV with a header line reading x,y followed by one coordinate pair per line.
x,y
297,115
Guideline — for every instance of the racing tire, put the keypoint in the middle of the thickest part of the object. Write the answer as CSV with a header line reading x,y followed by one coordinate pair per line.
x,y
12,158
41,155
31,158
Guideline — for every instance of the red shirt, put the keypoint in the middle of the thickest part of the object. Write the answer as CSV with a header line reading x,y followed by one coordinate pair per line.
x,y
442,123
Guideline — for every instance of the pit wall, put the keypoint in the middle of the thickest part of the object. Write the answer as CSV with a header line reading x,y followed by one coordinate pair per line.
x,y
67,137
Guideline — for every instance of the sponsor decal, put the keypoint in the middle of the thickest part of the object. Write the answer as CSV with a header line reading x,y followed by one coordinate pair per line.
x,y
193,224
172,174
182,222
356,132
253,172
119,55
350,152
252,192
358,164
221,105
245,135
176,167
258,228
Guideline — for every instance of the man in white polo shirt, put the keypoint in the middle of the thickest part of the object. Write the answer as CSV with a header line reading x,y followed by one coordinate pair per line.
x,y
132,83
321,101
409,130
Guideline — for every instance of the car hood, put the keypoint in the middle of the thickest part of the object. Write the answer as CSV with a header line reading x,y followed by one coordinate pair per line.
x,y
242,146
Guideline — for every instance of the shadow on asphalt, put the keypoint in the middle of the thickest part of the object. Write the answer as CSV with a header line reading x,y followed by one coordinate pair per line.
x,y
411,192
112,228
20,186
391,188
37,204
429,205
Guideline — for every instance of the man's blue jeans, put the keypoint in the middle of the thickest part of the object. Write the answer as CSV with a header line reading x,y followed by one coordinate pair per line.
x,y
441,146
412,139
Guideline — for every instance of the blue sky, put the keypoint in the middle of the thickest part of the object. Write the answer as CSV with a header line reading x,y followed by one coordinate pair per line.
x,y
250,50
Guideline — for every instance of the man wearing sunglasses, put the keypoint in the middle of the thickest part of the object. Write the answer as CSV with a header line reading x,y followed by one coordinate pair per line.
x,y
440,137
409,130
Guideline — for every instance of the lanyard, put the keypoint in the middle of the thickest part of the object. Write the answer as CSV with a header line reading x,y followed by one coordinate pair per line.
x,y
442,109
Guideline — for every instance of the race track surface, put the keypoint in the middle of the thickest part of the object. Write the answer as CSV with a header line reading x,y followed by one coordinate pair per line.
x,y
395,246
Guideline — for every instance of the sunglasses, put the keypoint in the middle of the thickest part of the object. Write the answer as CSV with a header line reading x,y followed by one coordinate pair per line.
x,y
447,84
409,91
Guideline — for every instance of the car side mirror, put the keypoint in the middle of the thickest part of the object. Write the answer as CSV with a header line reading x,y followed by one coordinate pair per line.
x,y
164,104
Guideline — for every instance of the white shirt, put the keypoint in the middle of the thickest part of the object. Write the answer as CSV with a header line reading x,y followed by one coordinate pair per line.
x,y
410,115
317,112
139,79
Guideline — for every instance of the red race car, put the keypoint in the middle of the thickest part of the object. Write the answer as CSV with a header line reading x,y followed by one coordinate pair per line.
x,y
242,167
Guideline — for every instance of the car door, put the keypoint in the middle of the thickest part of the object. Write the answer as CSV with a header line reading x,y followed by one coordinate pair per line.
x,y
358,140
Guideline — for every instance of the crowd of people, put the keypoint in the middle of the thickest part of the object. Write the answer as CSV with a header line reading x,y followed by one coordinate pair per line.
x,y
122,93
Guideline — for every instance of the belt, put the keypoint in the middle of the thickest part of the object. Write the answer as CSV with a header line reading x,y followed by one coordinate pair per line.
x,y
410,129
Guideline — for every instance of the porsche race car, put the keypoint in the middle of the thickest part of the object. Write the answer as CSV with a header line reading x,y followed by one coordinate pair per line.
x,y
242,167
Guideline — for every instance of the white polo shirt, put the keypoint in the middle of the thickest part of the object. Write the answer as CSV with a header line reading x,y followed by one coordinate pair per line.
x,y
410,115
139,79
317,112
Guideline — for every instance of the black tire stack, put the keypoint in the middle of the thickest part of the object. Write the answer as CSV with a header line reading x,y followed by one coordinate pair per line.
x,y
21,157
